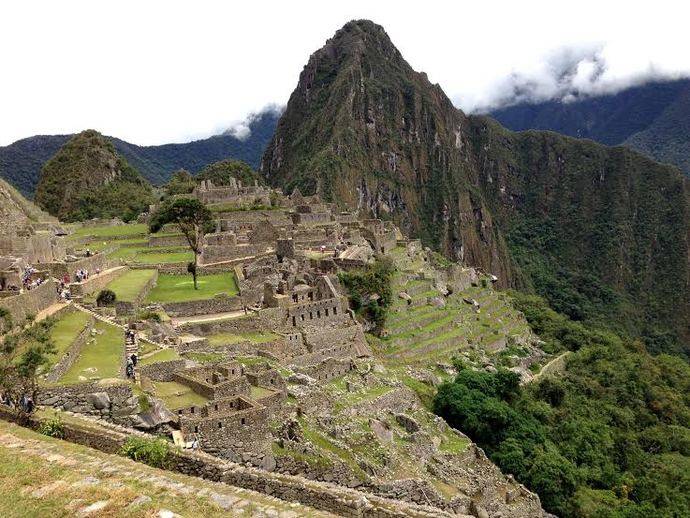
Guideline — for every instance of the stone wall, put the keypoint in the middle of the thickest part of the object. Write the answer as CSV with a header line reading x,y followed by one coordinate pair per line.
x,y
162,371
96,261
95,282
323,496
239,431
219,304
329,337
318,312
218,253
176,240
71,354
328,369
231,387
30,302
255,321
114,402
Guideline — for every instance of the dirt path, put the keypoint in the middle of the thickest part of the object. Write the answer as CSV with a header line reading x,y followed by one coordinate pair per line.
x,y
40,476
554,365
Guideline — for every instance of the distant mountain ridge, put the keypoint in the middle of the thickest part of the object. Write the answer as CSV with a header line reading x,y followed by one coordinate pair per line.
x,y
21,161
653,118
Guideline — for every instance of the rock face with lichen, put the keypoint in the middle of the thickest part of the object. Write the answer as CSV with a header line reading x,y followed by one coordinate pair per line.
x,y
607,227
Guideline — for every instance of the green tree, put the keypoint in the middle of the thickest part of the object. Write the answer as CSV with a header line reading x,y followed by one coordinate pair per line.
x,y
22,356
194,221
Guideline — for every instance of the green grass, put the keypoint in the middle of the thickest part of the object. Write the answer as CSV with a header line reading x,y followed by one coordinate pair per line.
x,y
176,395
64,332
163,355
128,286
180,288
453,443
204,357
110,231
259,392
65,489
233,338
101,358
149,255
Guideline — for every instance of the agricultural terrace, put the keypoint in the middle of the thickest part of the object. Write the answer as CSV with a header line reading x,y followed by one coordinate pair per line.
x,y
180,288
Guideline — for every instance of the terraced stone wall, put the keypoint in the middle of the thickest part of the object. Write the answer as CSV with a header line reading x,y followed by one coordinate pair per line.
x,y
95,282
114,402
218,304
162,371
93,263
30,302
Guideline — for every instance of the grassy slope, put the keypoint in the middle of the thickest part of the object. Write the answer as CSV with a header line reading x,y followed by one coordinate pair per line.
x,y
129,285
41,476
65,331
100,358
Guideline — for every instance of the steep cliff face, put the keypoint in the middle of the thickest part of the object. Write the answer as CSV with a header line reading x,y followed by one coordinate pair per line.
x,y
364,129
603,232
87,178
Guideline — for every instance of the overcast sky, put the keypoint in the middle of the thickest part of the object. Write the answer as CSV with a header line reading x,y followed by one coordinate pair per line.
x,y
152,71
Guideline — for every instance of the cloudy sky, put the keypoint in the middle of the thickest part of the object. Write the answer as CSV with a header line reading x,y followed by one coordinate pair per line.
x,y
155,71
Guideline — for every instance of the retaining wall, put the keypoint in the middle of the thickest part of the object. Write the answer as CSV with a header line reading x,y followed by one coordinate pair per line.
x,y
319,495
218,304
96,282
162,371
30,302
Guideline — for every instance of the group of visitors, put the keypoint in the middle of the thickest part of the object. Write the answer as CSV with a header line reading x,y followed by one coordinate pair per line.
x,y
29,282
26,402
82,275
130,338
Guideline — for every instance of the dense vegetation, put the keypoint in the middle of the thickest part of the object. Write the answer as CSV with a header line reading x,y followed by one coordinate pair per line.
x,y
370,291
652,118
87,179
21,162
609,437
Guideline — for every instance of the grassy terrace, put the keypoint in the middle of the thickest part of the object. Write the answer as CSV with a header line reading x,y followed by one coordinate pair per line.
x,y
180,288
110,231
162,355
64,332
100,358
176,395
129,285
153,254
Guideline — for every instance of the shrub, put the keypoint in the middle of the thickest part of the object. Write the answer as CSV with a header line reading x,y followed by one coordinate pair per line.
x,y
150,315
106,298
53,428
154,452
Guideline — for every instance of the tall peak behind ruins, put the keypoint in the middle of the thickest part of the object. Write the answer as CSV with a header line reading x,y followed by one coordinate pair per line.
x,y
364,130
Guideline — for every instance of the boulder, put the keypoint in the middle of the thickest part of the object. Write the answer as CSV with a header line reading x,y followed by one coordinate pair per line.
x,y
381,430
407,422
99,400
155,416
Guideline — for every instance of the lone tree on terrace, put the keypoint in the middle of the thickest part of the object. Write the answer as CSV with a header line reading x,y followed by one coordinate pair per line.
x,y
194,220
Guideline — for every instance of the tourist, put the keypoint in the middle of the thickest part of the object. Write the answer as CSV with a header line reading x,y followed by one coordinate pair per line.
x,y
134,359
129,371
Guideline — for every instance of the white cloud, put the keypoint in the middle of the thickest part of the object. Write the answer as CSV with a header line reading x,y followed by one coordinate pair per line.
x,y
171,70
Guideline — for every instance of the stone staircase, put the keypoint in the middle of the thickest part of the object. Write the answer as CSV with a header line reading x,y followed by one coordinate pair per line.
x,y
132,347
